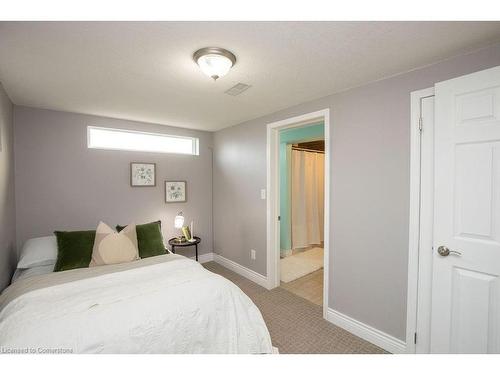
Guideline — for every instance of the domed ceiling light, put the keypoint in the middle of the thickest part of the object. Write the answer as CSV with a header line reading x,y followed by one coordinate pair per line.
x,y
215,62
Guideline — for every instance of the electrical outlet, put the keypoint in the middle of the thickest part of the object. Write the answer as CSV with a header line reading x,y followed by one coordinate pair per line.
x,y
252,254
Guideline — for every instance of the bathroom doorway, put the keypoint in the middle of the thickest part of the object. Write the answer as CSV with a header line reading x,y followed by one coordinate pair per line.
x,y
298,185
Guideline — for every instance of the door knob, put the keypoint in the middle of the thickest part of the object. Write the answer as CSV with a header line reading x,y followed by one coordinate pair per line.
x,y
444,251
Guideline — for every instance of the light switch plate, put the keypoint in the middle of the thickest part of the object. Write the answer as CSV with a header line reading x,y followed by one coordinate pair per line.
x,y
262,193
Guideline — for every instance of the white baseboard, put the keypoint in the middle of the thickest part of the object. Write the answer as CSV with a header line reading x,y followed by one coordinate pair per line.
x,y
366,332
204,258
243,271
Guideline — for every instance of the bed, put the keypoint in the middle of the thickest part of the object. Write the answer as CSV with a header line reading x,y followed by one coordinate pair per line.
x,y
161,304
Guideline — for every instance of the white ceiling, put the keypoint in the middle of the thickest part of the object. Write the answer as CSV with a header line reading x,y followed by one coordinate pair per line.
x,y
144,71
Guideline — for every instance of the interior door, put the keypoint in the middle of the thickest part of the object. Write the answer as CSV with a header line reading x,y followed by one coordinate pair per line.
x,y
465,314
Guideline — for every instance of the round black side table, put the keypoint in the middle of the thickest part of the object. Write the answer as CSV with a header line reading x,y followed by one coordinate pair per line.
x,y
174,242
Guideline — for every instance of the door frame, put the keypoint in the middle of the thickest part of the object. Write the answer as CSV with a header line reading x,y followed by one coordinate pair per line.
x,y
273,201
420,258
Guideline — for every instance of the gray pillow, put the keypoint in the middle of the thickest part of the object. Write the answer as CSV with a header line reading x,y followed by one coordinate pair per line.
x,y
39,251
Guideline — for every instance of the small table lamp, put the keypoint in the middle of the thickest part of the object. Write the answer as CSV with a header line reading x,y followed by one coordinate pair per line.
x,y
178,223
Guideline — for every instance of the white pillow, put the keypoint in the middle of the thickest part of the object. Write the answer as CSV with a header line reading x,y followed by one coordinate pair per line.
x,y
40,251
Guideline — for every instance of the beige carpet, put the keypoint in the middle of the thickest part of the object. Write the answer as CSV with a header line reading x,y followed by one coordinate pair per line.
x,y
301,264
295,324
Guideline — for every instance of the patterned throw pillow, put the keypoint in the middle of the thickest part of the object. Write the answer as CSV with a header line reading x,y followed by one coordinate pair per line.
x,y
111,247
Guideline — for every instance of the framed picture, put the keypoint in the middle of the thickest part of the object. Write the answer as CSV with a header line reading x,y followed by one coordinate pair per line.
x,y
142,174
175,191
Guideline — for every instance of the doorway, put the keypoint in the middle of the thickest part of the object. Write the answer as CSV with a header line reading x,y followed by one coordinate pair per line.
x,y
301,210
277,248
454,249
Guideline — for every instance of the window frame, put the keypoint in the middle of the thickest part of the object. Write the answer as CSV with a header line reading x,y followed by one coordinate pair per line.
x,y
195,150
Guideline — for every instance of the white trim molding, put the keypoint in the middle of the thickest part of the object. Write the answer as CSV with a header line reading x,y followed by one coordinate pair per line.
x,y
273,249
204,258
420,225
240,270
366,332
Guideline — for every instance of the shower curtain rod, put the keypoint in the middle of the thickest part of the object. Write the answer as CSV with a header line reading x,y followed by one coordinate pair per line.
x,y
307,150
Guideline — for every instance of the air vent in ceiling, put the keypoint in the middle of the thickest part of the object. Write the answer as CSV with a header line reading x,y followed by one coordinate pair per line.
x,y
237,89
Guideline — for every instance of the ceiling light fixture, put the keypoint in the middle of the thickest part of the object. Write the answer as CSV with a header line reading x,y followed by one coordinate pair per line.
x,y
215,62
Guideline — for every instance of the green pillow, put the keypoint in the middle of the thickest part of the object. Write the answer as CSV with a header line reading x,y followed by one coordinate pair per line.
x,y
149,239
74,249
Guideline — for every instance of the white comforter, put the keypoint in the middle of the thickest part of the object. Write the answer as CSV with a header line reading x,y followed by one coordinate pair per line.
x,y
165,304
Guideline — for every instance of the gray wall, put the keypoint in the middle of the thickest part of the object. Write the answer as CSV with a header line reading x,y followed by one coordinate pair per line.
x,y
8,255
369,194
63,185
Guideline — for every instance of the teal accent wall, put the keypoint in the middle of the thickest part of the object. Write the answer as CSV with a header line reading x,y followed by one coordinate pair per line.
x,y
309,133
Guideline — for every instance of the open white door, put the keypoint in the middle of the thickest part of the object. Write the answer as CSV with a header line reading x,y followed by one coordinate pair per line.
x,y
466,249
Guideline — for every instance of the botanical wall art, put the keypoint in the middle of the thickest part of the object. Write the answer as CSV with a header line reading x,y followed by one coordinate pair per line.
x,y
175,191
143,174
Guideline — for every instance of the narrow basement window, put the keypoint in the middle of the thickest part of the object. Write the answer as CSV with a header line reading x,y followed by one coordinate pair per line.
x,y
130,140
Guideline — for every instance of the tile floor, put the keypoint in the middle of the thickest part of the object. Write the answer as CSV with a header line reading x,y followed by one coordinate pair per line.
x,y
309,287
